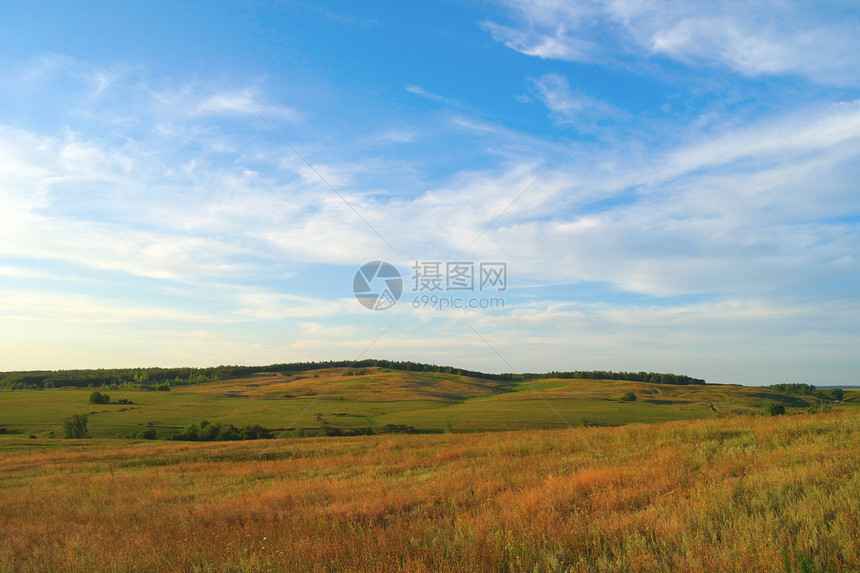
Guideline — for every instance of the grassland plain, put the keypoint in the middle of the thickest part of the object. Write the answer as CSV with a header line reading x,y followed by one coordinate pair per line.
x,y
732,494
427,401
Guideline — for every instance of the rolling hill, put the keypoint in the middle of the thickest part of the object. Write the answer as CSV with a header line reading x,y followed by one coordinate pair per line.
x,y
338,399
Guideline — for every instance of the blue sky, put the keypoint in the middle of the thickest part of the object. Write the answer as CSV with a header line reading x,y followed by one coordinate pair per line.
x,y
677,183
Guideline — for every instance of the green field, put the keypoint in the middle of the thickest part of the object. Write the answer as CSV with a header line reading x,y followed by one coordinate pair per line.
x,y
431,402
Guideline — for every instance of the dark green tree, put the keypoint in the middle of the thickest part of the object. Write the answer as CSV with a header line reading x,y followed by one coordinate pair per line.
x,y
774,409
99,398
75,427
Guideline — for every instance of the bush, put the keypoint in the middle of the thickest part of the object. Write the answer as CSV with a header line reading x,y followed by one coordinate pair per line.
x,y
396,429
147,434
99,398
819,407
774,409
162,387
206,432
75,427
629,396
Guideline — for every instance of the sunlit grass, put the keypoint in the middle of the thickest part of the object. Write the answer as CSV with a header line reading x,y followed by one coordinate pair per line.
x,y
736,494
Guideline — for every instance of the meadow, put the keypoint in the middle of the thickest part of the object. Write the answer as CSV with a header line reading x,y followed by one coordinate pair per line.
x,y
740,493
335,398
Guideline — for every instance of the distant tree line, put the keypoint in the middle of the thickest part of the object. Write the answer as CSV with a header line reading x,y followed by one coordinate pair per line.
x,y
651,377
165,378
809,390
115,379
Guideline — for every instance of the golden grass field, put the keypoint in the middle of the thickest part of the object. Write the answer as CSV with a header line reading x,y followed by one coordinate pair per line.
x,y
751,494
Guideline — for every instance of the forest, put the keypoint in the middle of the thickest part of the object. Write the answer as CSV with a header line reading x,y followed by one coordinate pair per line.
x,y
162,378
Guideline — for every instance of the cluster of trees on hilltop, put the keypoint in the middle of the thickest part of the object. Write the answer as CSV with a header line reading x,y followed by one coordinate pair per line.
x,y
163,378
652,377
809,390
805,389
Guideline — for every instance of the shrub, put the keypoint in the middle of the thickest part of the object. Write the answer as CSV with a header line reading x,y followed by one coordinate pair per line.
x,y
256,432
99,398
147,434
774,409
819,407
75,427
629,396
206,432
396,429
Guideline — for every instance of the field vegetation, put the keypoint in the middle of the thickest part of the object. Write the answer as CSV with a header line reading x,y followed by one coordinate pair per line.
x,y
733,494
418,468
341,401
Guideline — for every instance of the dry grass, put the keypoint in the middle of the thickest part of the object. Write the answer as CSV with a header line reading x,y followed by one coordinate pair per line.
x,y
739,494
362,385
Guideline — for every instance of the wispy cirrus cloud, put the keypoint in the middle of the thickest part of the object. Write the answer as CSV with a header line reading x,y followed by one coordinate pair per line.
x,y
811,39
569,107
432,96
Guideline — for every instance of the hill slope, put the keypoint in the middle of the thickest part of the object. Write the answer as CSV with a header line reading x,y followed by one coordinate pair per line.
x,y
337,398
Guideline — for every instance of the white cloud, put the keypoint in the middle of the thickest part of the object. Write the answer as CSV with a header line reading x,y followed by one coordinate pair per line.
x,y
432,96
242,102
674,221
569,107
814,39
741,218
557,44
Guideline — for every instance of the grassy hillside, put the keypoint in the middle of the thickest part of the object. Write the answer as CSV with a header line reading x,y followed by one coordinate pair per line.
x,y
373,397
735,494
